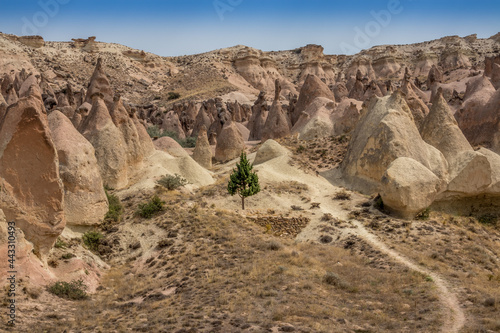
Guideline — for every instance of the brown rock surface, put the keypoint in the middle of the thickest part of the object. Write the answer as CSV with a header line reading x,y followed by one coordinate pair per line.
x,y
312,88
230,144
31,190
277,123
99,83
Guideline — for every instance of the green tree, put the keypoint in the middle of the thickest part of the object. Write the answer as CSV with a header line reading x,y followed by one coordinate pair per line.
x,y
243,181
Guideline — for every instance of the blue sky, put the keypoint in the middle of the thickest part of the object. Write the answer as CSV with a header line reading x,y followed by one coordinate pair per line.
x,y
194,26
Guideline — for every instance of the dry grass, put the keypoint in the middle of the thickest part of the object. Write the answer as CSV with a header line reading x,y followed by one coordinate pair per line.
x,y
225,274
462,250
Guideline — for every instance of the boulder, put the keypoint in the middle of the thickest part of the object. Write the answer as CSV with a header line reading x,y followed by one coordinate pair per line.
x,y
85,201
408,187
169,145
268,151
492,70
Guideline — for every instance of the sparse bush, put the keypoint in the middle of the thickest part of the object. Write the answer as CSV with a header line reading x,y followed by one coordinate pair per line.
x,y
67,256
274,245
92,239
173,95
378,203
172,182
301,149
424,215
334,280
115,210
342,195
327,217
294,207
488,219
150,208
189,142
60,244
156,132
75,290
165,243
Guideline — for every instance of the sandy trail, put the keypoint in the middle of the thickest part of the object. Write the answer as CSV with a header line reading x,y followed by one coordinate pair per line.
x,y
321,191
453,316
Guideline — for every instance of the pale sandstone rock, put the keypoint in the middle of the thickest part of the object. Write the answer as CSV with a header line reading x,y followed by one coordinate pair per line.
x,y
440,129
268,151
110,148
316,121
124,122
408,187
85,202
385,132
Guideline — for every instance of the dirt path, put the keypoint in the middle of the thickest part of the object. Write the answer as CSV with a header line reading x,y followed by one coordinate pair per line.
x,y
453,316
320,191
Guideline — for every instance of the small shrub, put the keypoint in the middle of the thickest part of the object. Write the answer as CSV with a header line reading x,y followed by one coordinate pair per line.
x,y
187,142
165,243
67,256
60,244
274,245
301,149
173,95
488,219
92,239
53,263
378,203
325,239
342,195
334,280
154,131
172,182
294,207
74,290
327,217
150,208
115,210
423,215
